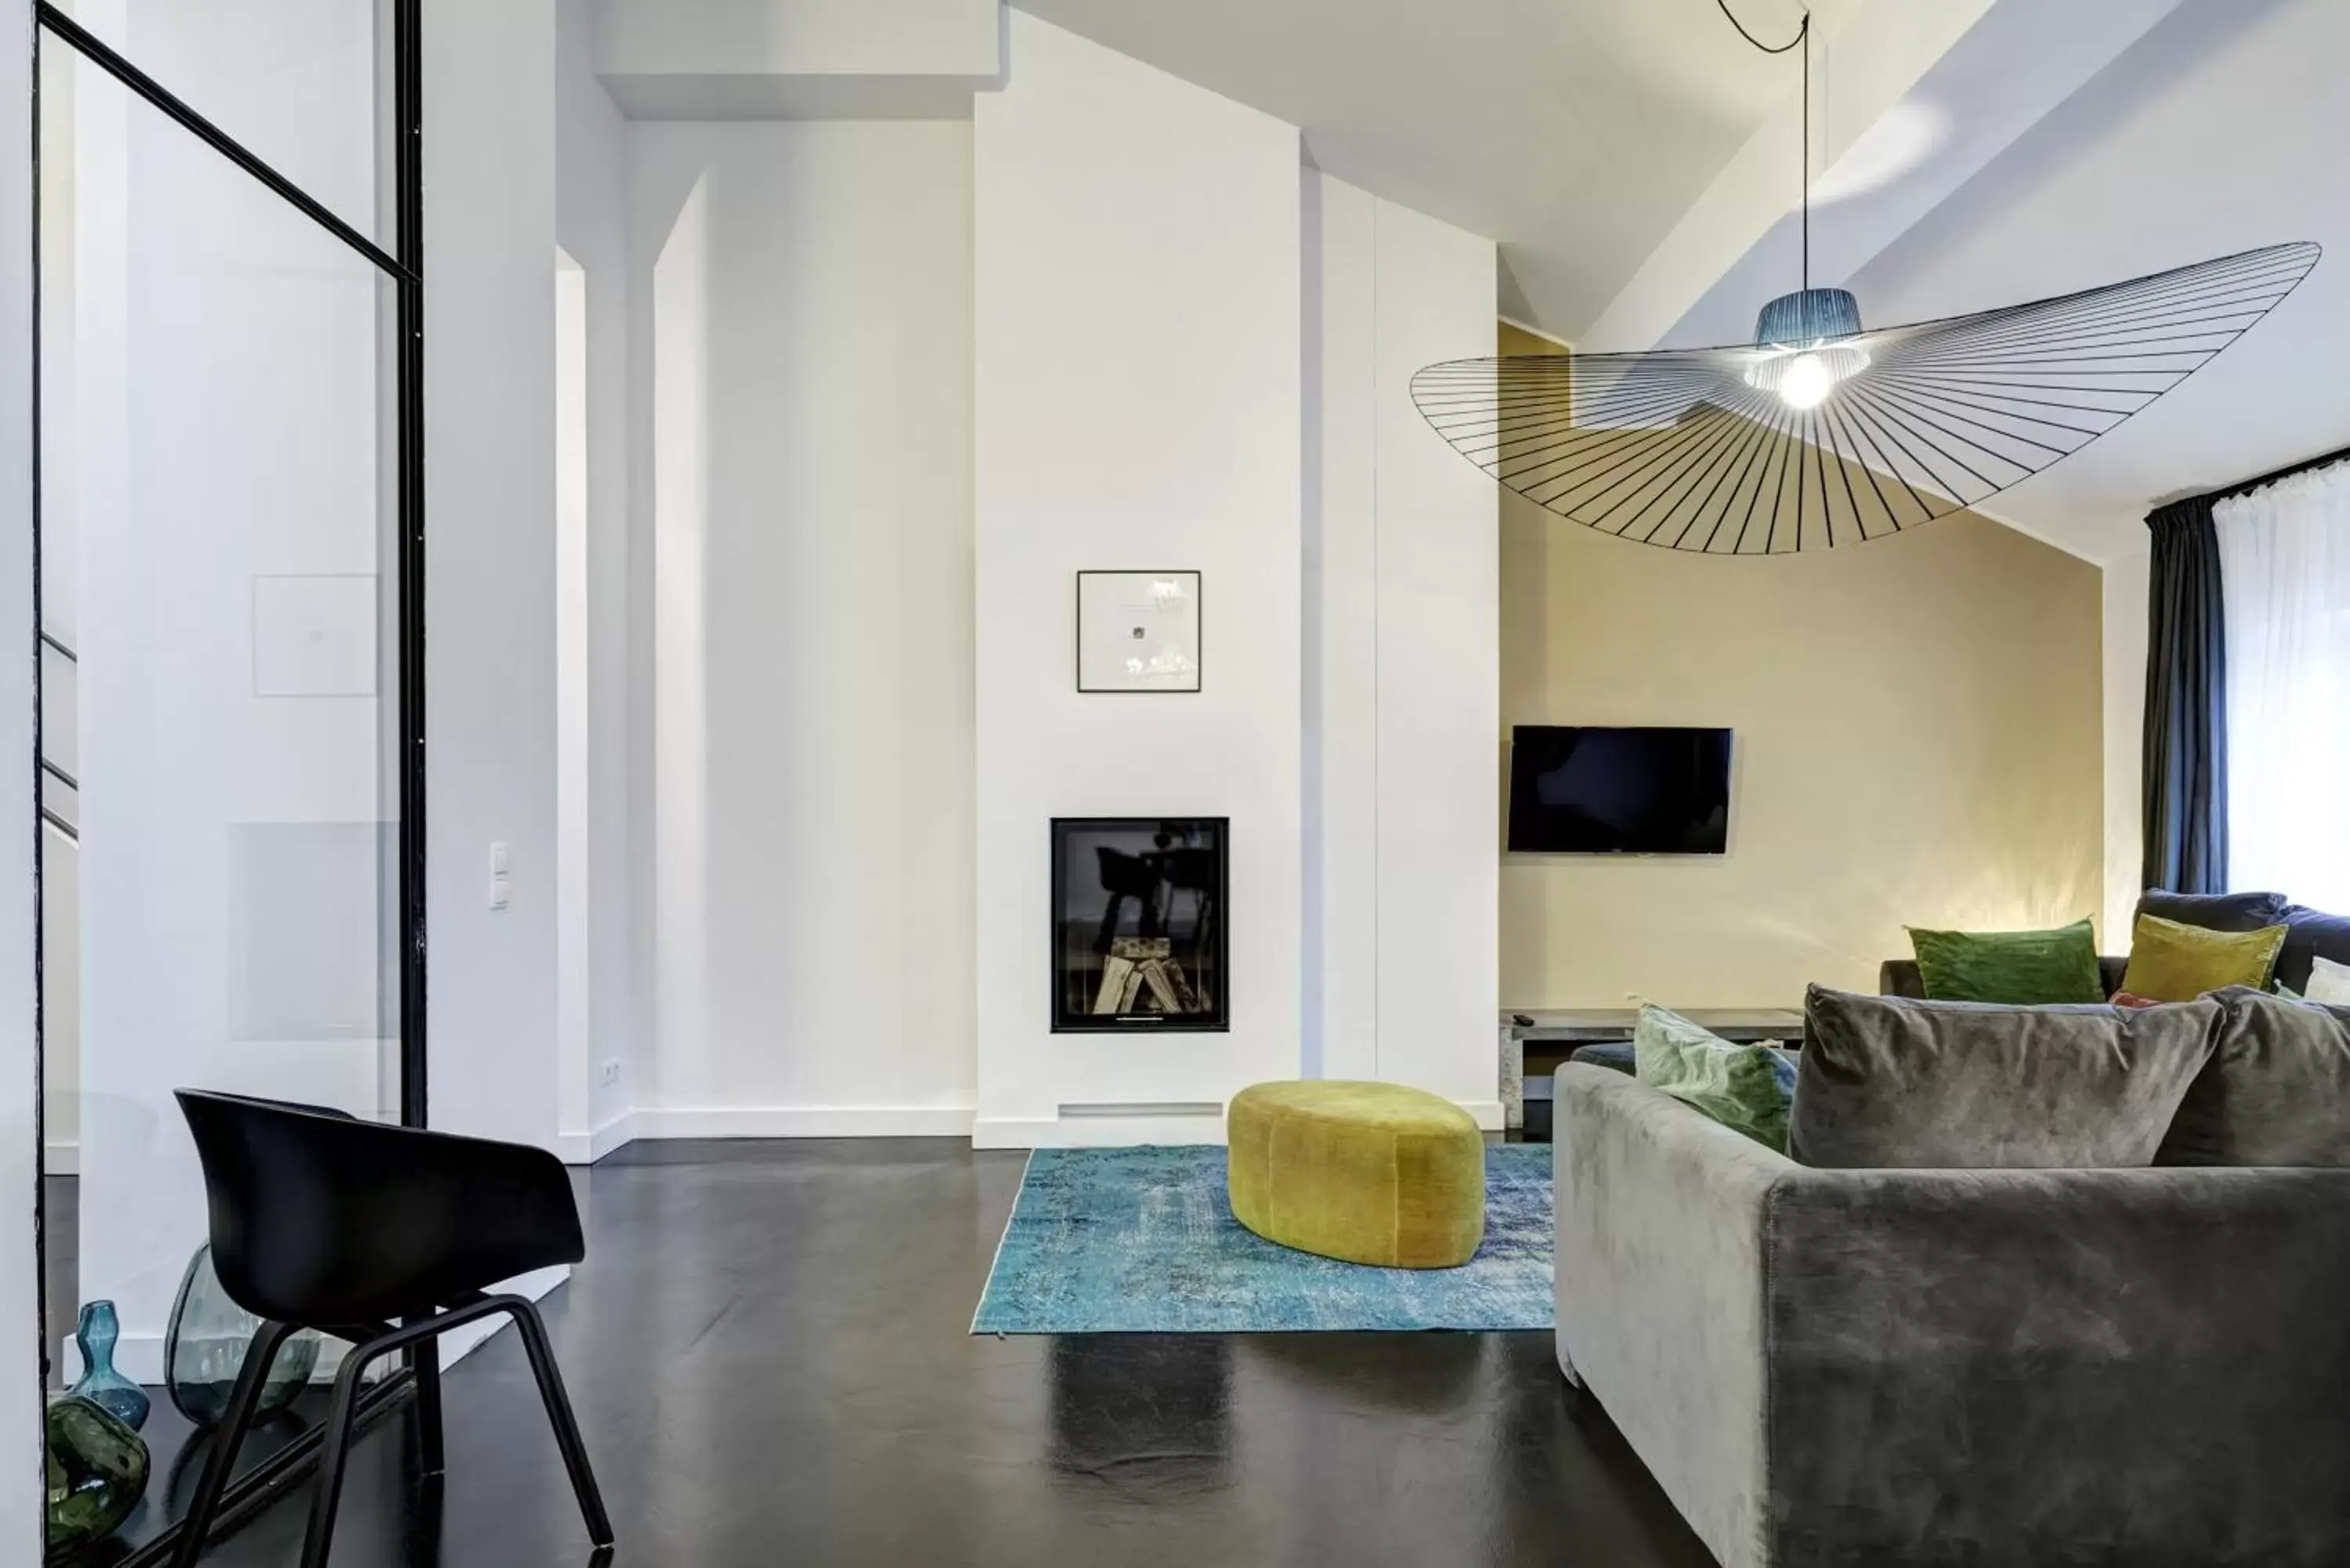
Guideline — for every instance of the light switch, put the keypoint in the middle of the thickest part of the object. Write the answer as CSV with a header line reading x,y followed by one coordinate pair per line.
x,y
498,880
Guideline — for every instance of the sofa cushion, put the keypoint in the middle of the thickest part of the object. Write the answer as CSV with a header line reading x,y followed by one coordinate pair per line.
x,y
2311,934
2171,962
2275,1092
2015,967
2216,911
2329,981
1740,1086
1888,1082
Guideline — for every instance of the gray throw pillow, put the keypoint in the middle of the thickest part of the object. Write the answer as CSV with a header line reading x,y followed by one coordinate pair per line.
x,y
1888,1082
2215,911
2275,1092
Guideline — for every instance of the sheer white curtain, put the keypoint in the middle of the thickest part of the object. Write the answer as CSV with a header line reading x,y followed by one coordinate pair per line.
x,y
2285,556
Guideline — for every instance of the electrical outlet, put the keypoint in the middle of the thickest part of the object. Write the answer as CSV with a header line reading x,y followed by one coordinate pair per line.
x,y
610,1073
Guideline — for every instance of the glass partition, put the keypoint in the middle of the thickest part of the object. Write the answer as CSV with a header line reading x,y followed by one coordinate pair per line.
x,y
223,428
305,84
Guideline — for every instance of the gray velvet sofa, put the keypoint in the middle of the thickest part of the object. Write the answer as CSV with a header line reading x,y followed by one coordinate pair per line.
x,y
1998,1368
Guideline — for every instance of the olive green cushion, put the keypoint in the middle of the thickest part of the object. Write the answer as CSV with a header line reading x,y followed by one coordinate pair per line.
x,y
2013,969
1369,1173
2171,962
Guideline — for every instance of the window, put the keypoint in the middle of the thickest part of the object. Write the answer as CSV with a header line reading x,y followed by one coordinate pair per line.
x,y
2284,552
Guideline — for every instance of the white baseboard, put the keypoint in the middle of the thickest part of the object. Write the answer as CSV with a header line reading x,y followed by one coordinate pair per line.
x,y
61,1157
140,1356
1094,1131
802,1121
588,1148
1487,1112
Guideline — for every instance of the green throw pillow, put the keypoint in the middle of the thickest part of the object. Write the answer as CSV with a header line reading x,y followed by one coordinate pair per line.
x,y
2171,962
2014,969
1737,1085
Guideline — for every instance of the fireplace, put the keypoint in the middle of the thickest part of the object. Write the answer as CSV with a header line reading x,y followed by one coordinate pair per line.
x,y
1138,924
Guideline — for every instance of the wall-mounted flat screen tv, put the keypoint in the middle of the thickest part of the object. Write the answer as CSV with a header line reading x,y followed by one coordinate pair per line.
x,y
1585,790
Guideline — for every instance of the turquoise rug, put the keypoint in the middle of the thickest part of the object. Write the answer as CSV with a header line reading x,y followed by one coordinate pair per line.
x,y
1142,1241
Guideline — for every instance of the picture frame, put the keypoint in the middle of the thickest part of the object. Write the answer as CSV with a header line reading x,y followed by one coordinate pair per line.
x,y
1139,631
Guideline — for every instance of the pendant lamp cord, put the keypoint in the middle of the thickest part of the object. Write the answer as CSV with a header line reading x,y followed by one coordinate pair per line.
x,y
1803,36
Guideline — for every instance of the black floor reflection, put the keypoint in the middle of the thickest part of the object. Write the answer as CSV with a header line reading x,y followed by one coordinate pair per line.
x,y
1442,1373
768,1349
1144,1413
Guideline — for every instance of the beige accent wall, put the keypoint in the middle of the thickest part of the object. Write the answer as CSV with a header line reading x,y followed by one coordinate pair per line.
x,y
1919,741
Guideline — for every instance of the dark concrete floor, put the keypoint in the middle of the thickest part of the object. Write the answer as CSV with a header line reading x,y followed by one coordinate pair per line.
x,y
767,1347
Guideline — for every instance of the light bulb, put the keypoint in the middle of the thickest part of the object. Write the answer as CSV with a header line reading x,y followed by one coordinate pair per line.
x,y
1806,380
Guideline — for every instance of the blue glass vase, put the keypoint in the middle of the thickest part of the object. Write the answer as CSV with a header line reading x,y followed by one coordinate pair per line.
x,y
100,1383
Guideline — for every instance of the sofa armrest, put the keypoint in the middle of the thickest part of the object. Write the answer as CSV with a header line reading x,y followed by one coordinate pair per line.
x,y
2144,1367
1661,1214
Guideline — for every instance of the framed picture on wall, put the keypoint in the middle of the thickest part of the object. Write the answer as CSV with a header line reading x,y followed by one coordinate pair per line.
x,y
1138,631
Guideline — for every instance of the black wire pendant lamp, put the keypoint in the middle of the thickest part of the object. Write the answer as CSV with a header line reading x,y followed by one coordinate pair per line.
x,y
1821,432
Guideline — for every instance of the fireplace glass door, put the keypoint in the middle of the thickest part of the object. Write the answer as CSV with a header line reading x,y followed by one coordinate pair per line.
x,y
1138,924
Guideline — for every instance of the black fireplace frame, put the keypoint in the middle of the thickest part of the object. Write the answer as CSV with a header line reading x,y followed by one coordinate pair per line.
x,y
1219,1019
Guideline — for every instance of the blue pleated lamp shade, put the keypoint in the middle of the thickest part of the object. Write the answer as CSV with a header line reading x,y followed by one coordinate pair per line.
x,y
1793,320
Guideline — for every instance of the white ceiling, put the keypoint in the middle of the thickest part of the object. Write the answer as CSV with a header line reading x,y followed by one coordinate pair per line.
x,y
1574,131
1577,133
2224,127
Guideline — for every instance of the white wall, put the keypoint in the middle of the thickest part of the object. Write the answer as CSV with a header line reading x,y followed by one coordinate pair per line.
x,y
810,753
796,59
490,184
490,177
1402,681
1138,326
592,228
20,1373
786,38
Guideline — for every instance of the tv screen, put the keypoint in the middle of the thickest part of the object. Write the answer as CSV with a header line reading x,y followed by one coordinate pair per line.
x,y
1583,790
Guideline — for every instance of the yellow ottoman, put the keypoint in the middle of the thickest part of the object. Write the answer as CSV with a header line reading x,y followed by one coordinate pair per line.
x,y
1370,1173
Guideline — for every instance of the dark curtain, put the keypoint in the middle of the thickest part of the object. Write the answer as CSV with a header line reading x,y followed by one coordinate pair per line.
x,y
2186,781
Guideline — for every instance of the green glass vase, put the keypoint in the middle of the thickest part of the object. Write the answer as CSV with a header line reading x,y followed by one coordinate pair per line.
x,y
97,1473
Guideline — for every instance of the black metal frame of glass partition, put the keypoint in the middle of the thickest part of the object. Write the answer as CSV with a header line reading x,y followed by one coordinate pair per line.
x,y
404,265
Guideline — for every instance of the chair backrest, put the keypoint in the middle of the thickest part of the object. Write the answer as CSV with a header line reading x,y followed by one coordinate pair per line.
x,y
319,1219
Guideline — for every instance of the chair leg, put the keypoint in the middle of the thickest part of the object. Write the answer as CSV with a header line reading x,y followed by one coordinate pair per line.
x,y
558,1413
228,1438
334,1451
426,1359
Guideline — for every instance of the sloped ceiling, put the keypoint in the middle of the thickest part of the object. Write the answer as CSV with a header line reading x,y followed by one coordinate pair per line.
x,y
2226,127
1576,132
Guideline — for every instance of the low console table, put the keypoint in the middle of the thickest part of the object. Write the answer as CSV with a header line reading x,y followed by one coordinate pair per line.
x,y
1572,1027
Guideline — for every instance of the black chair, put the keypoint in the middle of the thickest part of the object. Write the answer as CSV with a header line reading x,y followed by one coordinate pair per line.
x,y
320,1221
